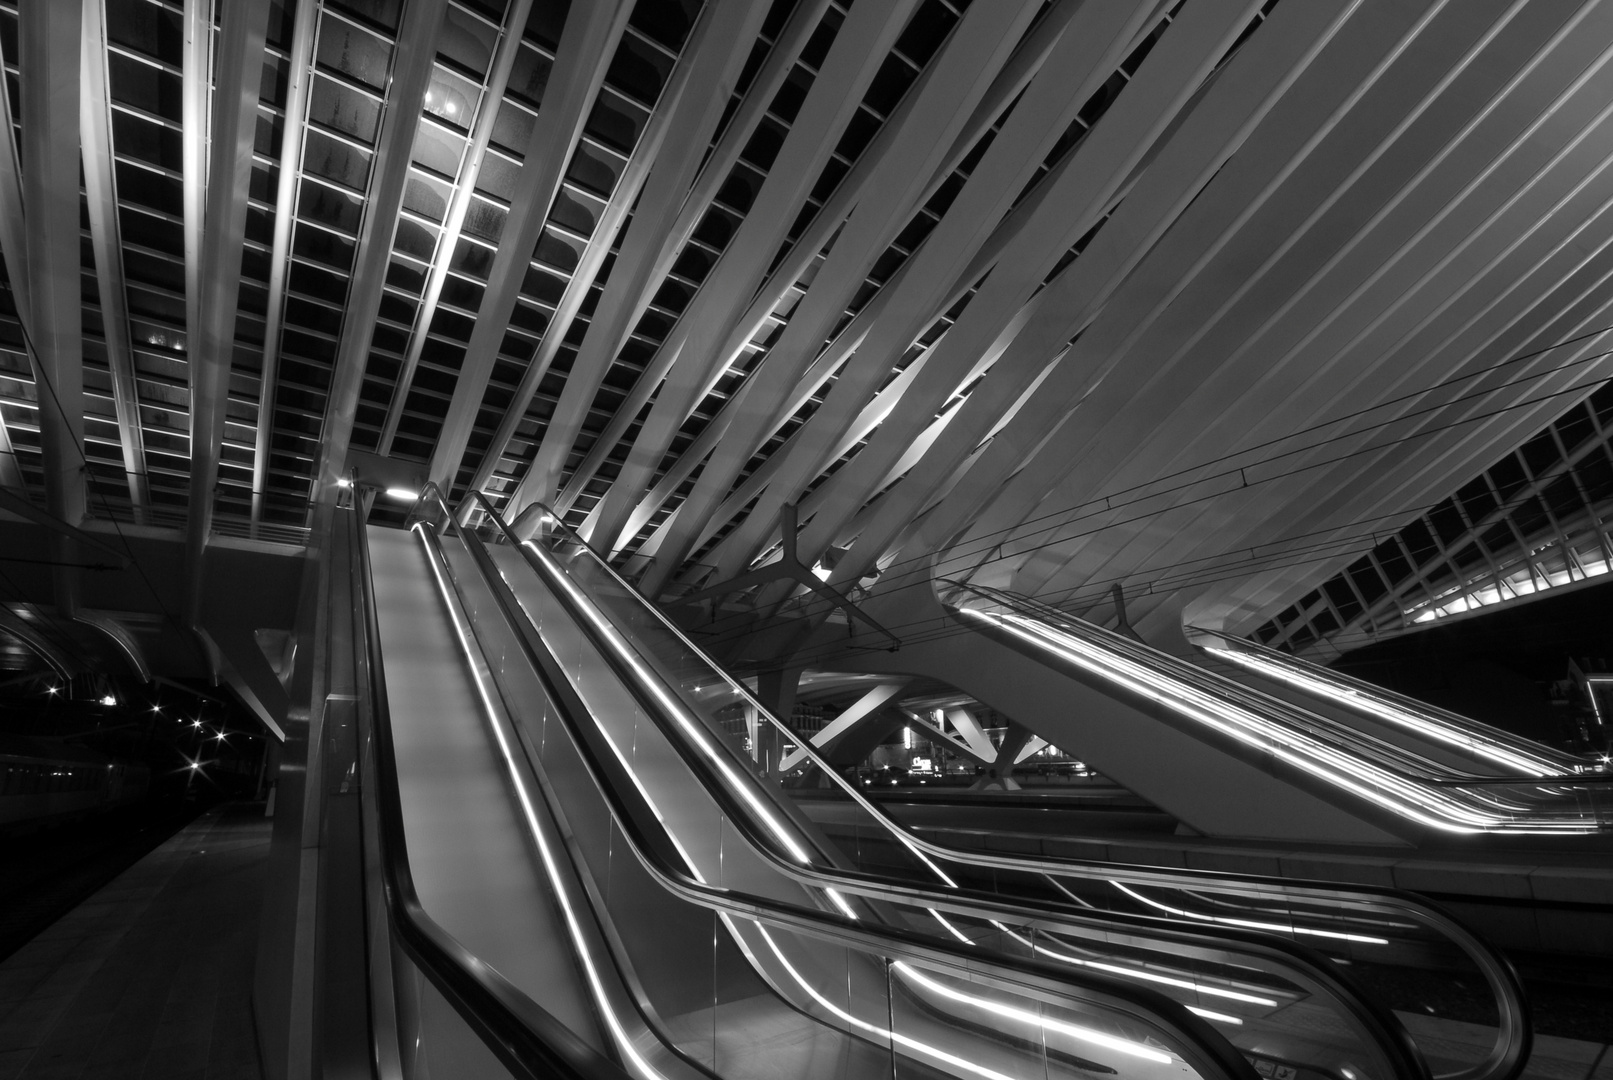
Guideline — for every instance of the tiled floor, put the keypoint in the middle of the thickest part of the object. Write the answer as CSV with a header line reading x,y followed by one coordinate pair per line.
x,y
151,976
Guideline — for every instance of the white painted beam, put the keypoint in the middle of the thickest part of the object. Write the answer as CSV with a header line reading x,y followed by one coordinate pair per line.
x,y
1173,70
859,47
668,213
1243,94
586,47
238,75
488,104
300,65
899,174
704,67
100,189
14,247
409,76
1086,56
48,68
969,728
1302,122
855,713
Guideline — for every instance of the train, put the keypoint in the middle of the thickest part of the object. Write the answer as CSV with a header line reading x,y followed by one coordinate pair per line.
x,y
42,786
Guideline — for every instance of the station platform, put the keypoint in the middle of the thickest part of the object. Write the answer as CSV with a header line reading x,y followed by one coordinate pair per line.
x,y
151,976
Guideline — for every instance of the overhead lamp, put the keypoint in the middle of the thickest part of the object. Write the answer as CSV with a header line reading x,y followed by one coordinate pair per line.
x,y
402,494
108,699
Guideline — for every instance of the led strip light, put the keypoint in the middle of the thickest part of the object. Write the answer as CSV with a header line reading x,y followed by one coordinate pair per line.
x,y
1250,923
1112,968
908,972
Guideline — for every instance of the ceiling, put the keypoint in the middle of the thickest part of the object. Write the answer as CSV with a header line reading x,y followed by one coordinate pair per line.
x,y
1190,296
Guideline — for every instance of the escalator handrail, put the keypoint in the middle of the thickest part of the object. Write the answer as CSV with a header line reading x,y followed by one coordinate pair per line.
x,y
1010,973
525,1037
1514,1037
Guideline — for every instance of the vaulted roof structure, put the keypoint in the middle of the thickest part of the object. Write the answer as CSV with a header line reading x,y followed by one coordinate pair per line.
x,y
1203,298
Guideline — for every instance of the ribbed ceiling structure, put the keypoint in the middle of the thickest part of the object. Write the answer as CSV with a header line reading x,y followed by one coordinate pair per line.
x,y
1191,296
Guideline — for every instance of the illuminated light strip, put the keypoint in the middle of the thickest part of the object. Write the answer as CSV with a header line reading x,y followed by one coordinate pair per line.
x,y
1342,770
840,902
941,1055
624,1043
917,851
1139,973
1024,1016
953,930
1208,1014
693,730
1060,886
1252,924
875,1029
1387,711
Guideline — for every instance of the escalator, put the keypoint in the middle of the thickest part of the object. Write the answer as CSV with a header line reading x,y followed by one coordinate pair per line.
x,y
537,913
1244,953
1463,745
1407,772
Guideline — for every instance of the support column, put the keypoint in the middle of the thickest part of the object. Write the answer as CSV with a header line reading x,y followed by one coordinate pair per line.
x,y
776,688
998,776
49,72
